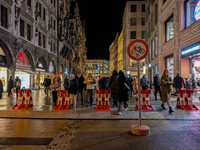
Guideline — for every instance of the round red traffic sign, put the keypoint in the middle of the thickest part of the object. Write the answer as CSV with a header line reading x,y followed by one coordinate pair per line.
x,y
138,49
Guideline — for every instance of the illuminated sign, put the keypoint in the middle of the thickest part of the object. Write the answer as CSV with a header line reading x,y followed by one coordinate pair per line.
x,y
195,48
197,11
149,65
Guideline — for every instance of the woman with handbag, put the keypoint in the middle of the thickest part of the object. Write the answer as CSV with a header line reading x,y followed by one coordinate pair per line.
x,y
55,86
123,88
166,88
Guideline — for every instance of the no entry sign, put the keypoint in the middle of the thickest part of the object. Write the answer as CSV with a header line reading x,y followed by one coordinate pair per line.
x,y
138,49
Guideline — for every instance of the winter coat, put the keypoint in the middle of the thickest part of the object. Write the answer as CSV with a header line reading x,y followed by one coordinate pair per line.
x,y
165,87
73,88
10,85
157,81
66,83
193,82
17,83
103,83
47,82
188,83
113,85
91,84
122,93
178,82
134,83
80,81
1,89
144,81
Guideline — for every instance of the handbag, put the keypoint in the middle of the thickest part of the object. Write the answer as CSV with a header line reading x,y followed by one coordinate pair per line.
x,y
126,87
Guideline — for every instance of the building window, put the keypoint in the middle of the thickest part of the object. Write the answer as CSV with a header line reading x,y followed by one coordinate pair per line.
x,y
21,27
133,8
143,21
54,47
156,44
29,3
44,14
189,12
44,42
39,39
133,34
54,25
149,55
133,21
55,3
51,1
143,34
152,48
143,7
40,10
28,32
169,28
51,46
4,17
164,1
156,14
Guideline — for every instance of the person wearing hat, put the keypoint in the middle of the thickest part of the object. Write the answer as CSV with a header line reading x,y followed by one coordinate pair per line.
x,y
157,84
47,83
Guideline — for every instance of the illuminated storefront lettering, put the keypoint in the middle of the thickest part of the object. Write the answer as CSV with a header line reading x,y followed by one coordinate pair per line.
x,y
190,50
197,11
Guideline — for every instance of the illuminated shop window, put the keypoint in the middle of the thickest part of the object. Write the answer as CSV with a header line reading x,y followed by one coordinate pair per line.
x,y
169,28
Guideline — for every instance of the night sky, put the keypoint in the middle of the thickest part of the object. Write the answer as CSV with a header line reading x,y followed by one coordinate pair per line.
x,y
103,19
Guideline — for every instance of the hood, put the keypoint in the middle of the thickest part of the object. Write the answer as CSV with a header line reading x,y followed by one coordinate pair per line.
x,y
121,74
115,73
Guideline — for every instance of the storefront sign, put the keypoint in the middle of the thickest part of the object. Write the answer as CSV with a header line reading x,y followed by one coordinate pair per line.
x,y
38,69
195,48
51,68
197,11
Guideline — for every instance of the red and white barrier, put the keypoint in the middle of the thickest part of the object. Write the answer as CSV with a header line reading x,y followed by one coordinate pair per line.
x,y
184,100
103,100
145,100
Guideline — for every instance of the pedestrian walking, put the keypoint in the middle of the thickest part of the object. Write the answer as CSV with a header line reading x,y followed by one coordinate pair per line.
x,y
166,82
193,82
122,83
1,89
178,83
188,82
81,88
130,79
47,84
157,84
91,82
17,84
73,90
66,83
113,87
144,82
10,86
103,83
56,84
134,85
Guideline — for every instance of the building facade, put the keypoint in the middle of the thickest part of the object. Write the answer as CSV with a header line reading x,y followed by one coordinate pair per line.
x,y
133,28
113,49
120,52
97,67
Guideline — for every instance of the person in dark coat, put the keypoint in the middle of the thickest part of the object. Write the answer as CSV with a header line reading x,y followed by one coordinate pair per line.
x,y
47,84
193,82
157,84
103,83
10,86
122,93
73,89
113,87
1,89
178,83
66,83
81,87
144,82
17,84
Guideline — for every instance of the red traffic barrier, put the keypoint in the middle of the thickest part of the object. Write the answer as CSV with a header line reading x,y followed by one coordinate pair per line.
x,y
103,100
63,101
184,100
145,100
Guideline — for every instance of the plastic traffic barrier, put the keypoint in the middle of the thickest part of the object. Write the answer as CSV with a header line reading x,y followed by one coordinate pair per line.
x,y
184,100
103,100
145,100
63,101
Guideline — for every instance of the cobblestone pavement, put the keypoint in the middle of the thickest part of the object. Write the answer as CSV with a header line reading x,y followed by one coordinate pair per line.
x,y
43,109
97,135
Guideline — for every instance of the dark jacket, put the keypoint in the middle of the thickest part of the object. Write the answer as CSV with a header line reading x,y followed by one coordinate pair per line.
x,y
122,93
10,84
103,83
157,81
193,82
73,88
144,81
47,82
178,82
66,83
113,84
80,82
17,83
1,89
130,79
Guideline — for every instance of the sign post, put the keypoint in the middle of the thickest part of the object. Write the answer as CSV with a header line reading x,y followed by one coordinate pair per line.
x,y
138,50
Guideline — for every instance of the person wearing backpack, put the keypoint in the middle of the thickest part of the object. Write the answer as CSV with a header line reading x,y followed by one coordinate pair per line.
x,y
47,84
73,90
17,84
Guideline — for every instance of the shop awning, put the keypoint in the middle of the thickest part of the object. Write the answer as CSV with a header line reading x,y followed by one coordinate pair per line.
x,y
27,71
46,73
